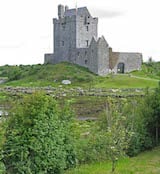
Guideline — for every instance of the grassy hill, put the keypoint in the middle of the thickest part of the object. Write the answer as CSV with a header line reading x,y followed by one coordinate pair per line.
x,y
43,75
145,163
52,75
149,70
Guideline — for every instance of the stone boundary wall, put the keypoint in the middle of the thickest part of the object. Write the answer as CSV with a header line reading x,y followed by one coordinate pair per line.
x,y
60,92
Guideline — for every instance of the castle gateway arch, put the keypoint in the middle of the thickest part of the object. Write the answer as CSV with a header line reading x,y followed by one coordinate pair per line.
x,y
120,68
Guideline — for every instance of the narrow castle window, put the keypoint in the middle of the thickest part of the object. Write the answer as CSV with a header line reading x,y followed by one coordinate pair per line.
x,y
87,20
87,43
62,42
86,61
87,28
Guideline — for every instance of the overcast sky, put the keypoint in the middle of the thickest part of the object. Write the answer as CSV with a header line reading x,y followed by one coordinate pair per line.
x,y
26,27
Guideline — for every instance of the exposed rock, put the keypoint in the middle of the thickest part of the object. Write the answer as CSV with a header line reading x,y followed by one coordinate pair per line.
x,y
66,82
115,90
2,81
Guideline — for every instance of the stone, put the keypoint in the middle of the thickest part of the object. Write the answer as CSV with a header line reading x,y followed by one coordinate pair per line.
x,y
76,41
2,81
64,95
115,90
66,82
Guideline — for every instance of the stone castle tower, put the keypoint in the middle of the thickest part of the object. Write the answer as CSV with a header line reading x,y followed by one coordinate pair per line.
x,y
76,41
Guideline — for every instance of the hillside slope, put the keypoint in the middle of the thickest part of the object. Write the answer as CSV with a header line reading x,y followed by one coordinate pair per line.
x,y
145,163
52,75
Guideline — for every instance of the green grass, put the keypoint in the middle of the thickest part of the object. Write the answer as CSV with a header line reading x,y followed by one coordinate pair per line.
x,y
46,75
145,163
52,75
3,97
125,81
149,70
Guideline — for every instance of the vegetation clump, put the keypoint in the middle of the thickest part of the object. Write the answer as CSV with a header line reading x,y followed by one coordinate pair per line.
x,y
128,127
38,137
52,75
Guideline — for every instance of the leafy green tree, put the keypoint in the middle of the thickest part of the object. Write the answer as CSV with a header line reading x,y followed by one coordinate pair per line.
x,y
2,139
39,137
116,133
140,139
144,122
152,116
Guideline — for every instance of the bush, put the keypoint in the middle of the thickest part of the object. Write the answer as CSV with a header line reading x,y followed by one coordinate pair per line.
x,y
39,137
91,148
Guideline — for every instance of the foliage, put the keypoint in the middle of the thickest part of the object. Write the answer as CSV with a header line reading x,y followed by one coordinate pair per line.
x,y
39,137
52,75
146,163
90,147
122,130
149,69
43,75
116,131
144,122
2,140
152,115
140,139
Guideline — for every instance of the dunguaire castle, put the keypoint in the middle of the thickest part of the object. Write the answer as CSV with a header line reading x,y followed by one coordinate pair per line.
x,y
76,41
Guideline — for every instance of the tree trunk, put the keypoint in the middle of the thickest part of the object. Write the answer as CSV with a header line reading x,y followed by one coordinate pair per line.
x,y
113,166
157,134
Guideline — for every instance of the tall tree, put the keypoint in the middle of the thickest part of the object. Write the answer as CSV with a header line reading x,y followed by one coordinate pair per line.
x,y
152,102
117,134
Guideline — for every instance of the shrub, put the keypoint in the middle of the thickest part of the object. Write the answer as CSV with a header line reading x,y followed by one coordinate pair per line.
x,y
91,148
39,137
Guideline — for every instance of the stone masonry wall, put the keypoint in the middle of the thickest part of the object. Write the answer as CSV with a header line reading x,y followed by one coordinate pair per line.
x,y
48,58
75,41
85,30
92,56
132,61
64,38
81,56
103,56
113,58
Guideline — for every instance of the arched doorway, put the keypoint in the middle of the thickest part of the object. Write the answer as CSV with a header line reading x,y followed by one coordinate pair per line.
x,y
120,68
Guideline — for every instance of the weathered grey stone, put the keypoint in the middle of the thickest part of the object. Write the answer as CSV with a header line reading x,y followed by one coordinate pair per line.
x,y
66,82
2,81
76,41
64,95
